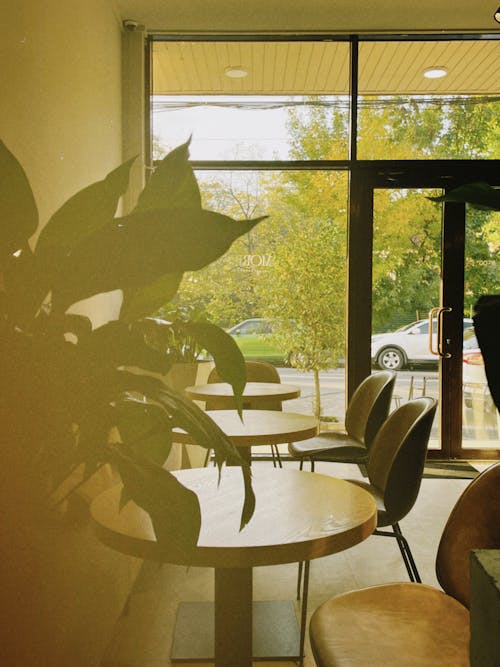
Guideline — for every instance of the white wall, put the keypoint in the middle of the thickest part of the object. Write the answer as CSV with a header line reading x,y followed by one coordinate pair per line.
x,y
60,105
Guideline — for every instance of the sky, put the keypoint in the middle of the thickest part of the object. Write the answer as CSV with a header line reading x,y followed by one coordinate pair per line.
x,y
224,133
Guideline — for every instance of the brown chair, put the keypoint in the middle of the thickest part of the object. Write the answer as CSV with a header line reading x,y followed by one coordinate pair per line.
x,y
257,371
395,468
366,412
409,624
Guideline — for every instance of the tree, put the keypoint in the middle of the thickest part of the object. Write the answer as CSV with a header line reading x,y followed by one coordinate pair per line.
x,y
304,294
309,314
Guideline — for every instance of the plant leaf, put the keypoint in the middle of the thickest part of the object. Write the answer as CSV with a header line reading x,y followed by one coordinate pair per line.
x,y
81,215
144,427
18,211
136,250
228,357
143,301
174,509
119,344
173,180
24,288
479,195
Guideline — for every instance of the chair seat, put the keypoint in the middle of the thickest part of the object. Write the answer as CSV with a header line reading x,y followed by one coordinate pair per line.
x,y
403,625
339,446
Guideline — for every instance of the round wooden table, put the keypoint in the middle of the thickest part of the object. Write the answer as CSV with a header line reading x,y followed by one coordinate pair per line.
x,y
255,394
258,427
298,516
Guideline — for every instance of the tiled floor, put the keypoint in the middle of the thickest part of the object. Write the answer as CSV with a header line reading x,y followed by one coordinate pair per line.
x,y
143,636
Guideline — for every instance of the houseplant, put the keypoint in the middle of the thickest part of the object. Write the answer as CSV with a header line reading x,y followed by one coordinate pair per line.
x,y
68,386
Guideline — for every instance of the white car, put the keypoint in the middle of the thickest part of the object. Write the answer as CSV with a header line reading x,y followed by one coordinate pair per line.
x,y
405,347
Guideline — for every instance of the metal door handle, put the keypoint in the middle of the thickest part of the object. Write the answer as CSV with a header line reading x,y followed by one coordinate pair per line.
x,y
439,311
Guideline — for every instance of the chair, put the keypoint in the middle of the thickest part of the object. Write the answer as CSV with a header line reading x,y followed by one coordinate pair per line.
x,y
256,371
409,624
395,468
366,412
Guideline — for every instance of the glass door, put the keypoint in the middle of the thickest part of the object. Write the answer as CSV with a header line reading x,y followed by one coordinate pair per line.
x,y
406,281
430,265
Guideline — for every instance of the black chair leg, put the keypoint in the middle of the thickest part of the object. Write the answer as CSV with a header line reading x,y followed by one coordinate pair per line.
x,y
303,612
404,546
299,579
405,550
276,452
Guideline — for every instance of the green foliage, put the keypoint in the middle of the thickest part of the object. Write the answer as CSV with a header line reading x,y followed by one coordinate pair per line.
x,y
304,290
68,386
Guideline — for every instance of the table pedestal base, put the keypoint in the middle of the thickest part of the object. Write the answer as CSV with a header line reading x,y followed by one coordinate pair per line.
x,y
276,633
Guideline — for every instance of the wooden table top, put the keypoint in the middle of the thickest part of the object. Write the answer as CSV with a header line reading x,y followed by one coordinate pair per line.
x,y
253,392
259,427
298,516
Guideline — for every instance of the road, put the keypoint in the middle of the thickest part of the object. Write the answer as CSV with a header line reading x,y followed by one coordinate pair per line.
x,y
480,427
332,385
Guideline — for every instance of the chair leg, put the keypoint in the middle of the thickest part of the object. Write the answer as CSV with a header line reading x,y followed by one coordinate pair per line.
x,y
404,546
405,550
303,612
299,579
276,452
273,456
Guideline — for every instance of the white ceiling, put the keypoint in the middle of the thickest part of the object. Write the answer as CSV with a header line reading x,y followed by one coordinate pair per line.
x,y
322,68
344,16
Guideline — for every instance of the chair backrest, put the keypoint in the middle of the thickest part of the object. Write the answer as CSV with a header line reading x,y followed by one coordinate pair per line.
x,y
369,406
474,523
397,456
257,371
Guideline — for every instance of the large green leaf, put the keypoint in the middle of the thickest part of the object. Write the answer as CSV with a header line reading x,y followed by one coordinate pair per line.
x,y
18,211
143,301
187,415
136,250
118,344
24,287
227,355
173,181
478,195
145,427
84,213
174,509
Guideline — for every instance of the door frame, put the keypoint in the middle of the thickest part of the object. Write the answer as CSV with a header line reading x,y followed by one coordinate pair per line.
x,y
365,177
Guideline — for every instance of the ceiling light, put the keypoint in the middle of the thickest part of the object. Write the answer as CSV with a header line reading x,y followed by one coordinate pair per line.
x,y
235,72
496,15
435,72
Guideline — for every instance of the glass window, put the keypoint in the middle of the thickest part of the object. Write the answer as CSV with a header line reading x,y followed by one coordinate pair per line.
x,y
280,90
404,115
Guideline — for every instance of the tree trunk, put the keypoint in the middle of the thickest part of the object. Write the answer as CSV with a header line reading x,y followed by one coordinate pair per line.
x,y
317,395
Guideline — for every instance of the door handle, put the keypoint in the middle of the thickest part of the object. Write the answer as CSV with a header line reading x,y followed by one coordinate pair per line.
x,y
439,312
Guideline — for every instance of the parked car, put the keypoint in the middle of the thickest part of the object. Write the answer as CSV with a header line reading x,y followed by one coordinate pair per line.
x,y
475,385
406,347
254,338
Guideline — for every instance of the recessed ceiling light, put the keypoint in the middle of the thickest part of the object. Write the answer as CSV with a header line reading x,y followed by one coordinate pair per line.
x,y
435,72
496,15
235,72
